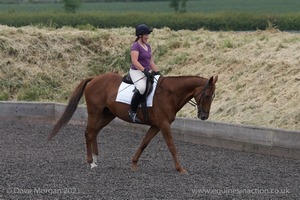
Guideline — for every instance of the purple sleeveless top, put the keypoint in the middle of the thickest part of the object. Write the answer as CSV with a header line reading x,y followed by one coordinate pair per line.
x,y
144,56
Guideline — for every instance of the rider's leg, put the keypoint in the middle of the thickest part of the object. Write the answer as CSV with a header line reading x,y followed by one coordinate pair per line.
x,y
135,101
139,81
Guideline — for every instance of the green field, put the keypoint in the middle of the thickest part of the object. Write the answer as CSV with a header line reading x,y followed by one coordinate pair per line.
x,y
236,15
201,6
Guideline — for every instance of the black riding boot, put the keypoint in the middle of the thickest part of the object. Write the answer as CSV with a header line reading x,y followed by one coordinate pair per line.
x,y
136,99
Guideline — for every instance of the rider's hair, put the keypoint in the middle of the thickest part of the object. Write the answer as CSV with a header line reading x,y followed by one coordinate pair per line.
x,y
137,38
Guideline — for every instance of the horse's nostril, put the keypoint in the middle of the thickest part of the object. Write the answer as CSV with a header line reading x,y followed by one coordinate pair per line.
x,y
203,118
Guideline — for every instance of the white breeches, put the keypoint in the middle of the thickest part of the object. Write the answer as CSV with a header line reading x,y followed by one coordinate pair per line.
x,y
139,80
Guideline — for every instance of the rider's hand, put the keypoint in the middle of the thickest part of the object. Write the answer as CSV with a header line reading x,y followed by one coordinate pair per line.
x,y
147,74
156,73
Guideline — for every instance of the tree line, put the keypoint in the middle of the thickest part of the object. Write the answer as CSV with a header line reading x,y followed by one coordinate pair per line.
x,y
73,5
85,1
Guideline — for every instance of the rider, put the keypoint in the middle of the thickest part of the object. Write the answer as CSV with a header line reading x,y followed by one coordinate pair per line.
x,y
142,63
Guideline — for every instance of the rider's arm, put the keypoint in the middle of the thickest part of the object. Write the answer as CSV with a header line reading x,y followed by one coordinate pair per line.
x,y
134,59
153,66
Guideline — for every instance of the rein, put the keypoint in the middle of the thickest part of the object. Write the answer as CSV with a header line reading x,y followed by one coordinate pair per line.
x,y
192,102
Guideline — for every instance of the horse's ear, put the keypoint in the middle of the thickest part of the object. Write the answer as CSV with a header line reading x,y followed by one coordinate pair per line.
x,y
213,80
216,79
210,81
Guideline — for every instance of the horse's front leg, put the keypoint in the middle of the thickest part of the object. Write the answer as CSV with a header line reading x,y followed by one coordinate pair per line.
x,y
166,132
149,136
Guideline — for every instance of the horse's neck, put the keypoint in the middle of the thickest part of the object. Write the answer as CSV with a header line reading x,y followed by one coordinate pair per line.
x,y
182,88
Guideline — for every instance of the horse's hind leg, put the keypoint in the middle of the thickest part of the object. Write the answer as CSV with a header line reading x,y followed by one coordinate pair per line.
x,y
90,135
148,137
95,124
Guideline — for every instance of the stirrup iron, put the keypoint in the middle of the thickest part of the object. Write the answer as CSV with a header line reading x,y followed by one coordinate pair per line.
x,y
133,117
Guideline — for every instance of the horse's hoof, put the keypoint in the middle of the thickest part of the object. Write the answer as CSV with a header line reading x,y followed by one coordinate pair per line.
x,y
183,171
93,165
134,167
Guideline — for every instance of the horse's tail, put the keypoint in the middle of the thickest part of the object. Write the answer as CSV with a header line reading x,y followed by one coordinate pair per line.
x,y
71,107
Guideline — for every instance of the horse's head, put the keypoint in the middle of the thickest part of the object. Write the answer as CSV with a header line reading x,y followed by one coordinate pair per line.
x,y
204,97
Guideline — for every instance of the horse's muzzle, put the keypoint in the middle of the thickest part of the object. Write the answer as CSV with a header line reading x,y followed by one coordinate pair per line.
x,y
203,116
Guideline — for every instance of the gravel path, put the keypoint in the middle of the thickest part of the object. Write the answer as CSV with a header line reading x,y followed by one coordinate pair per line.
x,y
33,168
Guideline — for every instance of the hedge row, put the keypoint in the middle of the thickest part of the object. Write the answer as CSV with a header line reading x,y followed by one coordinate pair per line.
x,y
234,21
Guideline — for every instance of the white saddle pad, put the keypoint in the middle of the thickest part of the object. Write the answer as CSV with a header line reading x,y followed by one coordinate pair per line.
x,y
125,92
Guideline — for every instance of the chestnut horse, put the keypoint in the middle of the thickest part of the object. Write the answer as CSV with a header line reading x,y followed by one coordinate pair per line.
x,y
171,94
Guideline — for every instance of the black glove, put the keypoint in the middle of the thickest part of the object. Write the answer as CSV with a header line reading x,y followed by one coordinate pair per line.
x,y
147,74
156,73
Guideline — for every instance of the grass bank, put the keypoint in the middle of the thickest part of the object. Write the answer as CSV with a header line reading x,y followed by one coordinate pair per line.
x,y
259,74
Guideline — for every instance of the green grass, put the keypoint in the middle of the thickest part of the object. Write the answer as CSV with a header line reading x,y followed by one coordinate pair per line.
x,y
236,15
202,6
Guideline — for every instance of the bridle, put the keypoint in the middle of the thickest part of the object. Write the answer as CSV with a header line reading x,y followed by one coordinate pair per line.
x,y
199,104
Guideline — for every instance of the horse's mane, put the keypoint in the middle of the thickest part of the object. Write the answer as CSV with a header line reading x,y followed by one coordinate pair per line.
x,y
186,76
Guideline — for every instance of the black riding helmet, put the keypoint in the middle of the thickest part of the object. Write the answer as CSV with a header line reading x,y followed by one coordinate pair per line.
x,y
142,29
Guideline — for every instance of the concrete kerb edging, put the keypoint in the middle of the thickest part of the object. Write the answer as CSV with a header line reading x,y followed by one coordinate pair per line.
x,y
268,141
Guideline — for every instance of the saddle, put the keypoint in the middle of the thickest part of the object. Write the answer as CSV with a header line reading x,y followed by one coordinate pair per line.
x,y
149,87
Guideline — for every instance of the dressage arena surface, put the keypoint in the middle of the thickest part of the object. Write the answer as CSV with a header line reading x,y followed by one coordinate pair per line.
x,y
34,168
